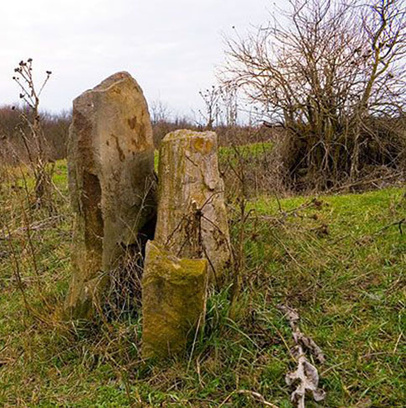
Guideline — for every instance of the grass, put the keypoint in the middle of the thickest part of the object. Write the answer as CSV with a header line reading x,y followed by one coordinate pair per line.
x,y
339,260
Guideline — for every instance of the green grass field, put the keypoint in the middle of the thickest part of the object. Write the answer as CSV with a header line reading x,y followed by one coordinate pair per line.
x,y
340,260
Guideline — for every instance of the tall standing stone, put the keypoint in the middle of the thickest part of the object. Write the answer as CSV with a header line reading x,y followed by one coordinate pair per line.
x,y
111,180
192,219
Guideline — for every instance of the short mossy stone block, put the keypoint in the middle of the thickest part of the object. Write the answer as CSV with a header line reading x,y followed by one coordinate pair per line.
x,y
174,293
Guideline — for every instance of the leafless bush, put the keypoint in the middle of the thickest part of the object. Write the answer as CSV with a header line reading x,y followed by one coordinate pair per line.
x,y
331,73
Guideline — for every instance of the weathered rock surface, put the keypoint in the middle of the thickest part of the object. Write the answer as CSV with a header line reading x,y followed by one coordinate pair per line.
x,y
111,180
192,219
173,301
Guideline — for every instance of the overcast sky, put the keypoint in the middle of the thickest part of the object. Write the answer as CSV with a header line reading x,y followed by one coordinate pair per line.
x,y
171,47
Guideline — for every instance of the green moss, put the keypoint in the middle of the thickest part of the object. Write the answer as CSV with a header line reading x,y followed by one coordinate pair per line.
x,y
174,296
166,265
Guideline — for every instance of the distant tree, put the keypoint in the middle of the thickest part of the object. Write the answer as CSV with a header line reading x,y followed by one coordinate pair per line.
x,y
165,121
14,150
160,112
326,70
220,106
211,112
229,102
56,129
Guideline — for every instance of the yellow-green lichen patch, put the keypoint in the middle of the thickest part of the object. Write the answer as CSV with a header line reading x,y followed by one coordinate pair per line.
x,y
203,145
174,300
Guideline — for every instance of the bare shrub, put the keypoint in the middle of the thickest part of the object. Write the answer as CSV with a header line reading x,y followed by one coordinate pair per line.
x,y
331,73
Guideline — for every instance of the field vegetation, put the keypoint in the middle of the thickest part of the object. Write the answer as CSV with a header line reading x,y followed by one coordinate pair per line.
x,y
338,259
317,213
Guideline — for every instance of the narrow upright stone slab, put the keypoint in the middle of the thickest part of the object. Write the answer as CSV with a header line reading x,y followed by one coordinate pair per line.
x,y
173,301
192,218
111,181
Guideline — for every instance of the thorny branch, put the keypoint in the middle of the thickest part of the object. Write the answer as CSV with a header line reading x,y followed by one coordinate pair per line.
x,y
35,142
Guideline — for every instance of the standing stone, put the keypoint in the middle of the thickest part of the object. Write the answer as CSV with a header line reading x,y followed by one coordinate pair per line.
x,y
111,180
192,218
173,301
